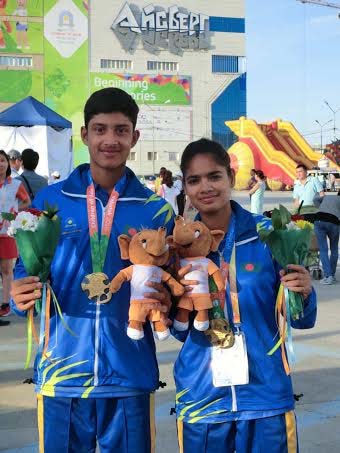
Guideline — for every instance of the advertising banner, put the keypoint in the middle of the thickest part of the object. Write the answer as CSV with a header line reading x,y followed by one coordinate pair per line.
x,y
146,88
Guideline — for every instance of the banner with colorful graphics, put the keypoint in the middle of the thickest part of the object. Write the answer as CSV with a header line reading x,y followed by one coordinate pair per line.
x,y
146,88
66,64
21,26
44,54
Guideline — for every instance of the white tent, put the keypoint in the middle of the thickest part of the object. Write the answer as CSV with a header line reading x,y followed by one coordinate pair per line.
x,y
30,124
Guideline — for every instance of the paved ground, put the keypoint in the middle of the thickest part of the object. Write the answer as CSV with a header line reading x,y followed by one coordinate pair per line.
x,y
316,375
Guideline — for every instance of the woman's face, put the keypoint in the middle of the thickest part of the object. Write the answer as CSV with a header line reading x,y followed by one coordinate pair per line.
x,y
3,165
207,184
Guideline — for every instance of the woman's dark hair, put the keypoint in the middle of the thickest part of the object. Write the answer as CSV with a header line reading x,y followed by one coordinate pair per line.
x,y
111,100
205,146
8,171
260,174
167,178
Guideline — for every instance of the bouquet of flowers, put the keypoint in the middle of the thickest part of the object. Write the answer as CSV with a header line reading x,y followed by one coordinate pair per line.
x,y
289,243
37,234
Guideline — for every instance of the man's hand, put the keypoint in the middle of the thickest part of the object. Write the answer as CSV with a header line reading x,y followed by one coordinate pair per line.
x,y
164,298
298,281
25,292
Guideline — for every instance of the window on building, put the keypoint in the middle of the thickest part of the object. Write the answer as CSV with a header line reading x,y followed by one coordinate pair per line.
x,y
115,64
173,156
132,155
163,66
14,61
230,64
154,154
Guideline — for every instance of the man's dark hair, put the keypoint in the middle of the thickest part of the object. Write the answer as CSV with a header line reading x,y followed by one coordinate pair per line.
x,y
301,166
205,146
30,159
111,100
8,171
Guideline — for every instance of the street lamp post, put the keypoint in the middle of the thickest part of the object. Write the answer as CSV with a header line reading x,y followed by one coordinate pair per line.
x,y
321,129
334,112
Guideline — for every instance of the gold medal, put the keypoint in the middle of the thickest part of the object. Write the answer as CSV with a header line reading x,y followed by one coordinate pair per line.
x,y
220,334
97,287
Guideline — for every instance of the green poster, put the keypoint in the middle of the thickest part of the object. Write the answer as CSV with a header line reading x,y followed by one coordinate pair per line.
x,y
66,64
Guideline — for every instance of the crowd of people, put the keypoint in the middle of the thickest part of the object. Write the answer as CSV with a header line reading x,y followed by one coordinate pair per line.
x,y
19,184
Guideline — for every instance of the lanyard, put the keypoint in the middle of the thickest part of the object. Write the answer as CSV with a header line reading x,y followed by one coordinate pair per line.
x,y
228,269
99,245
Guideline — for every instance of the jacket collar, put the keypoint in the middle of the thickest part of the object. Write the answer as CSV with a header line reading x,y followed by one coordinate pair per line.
x,y
245,225
76,184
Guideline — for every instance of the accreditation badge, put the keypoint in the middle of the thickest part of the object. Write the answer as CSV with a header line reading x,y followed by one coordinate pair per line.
x,y
229,366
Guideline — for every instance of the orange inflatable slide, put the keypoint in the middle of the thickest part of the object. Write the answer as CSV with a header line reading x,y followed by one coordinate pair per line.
x,y
275,148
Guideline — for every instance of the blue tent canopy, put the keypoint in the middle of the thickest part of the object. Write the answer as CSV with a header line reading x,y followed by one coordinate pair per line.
x,y
31,112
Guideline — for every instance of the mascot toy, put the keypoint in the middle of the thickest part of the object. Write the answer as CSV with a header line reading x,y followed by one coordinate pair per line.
x,y
193,242
148,251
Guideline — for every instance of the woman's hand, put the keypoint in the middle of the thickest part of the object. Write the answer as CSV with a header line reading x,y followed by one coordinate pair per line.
x,y
164,298
298,280
25,292
183,271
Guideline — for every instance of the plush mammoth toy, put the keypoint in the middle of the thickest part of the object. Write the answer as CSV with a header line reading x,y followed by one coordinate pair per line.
x,y
147,251
193,242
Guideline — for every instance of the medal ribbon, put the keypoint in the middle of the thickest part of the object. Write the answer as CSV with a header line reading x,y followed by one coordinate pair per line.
x,y
100,245
228,269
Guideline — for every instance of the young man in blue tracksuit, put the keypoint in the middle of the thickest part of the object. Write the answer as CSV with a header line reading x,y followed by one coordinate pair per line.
x,y
222,408
96,386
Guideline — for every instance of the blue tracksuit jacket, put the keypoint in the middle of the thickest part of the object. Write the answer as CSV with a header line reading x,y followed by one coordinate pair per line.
x,y
269,391
102,361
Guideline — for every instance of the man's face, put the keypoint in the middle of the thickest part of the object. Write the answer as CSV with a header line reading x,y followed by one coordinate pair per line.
x,y
301,174
109,137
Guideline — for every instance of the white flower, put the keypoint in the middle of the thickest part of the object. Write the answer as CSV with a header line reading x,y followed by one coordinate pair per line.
x,y
24,221
292,226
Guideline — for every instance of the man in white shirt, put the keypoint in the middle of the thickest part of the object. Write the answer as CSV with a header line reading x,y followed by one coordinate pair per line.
x,y
306,187
15,162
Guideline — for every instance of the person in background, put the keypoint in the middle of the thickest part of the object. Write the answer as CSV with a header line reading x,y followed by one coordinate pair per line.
x,y
257,193
31,180
181,197
252,180
159,179
305,189
326,228
13,198
15,161
168,191
332,182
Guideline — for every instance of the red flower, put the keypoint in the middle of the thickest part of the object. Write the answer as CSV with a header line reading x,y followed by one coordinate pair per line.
x,y
34,211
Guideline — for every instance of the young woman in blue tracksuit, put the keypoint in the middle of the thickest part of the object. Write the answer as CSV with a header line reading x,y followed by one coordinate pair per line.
x,y
239,399
97,386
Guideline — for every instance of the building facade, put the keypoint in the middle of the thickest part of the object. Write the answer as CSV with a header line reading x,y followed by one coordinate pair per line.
x,y
184,64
